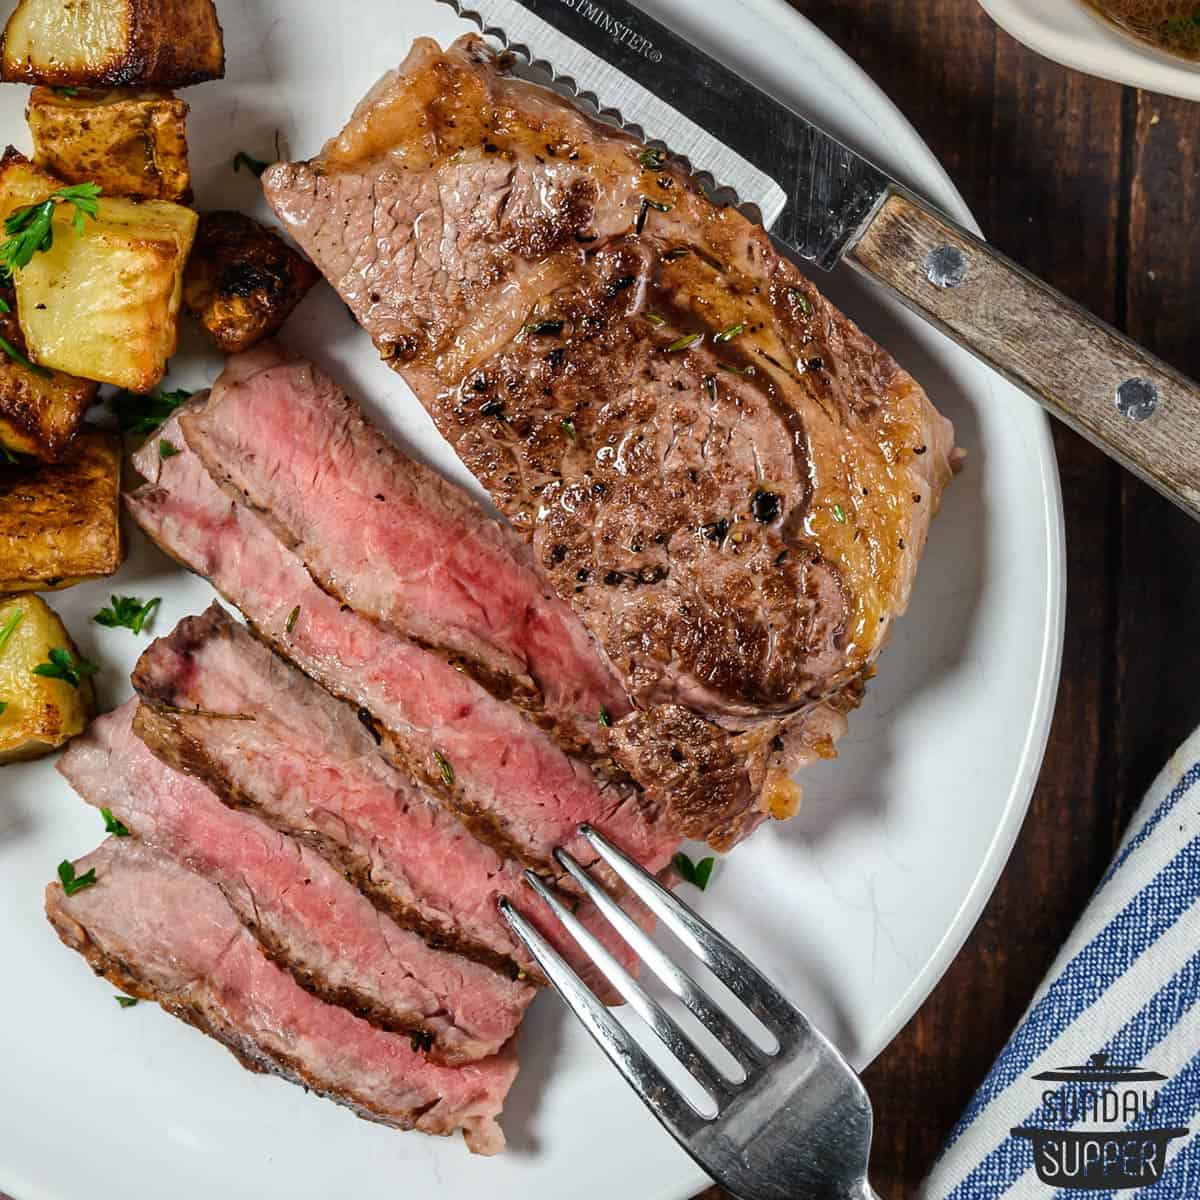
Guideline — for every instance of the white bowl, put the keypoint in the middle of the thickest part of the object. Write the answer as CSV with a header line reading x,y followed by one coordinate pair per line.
x,y
1070,33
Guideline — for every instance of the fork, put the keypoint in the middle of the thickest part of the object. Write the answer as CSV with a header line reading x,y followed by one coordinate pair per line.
x,y
796,1126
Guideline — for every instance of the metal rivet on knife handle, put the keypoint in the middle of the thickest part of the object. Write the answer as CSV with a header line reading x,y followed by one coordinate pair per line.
x,y
1137,399
945,266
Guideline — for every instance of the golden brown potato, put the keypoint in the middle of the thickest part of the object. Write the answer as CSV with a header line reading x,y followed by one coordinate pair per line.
x,y
58,521
39,713
243,280
102,304
112,43
129,143
39,413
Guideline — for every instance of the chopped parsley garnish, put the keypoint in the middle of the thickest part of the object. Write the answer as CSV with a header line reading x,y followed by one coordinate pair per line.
x,y
733,369
10,626
30,228
71,882
66,91
166,450
256,166
112,825
18,357
684,343
655,319
551,327
127,612
138,414
444,767
126,1001
65,666
839,514
293,617
800,300
3,706
5,307
652,159
710,386
727,335
697,874
568,427
605,719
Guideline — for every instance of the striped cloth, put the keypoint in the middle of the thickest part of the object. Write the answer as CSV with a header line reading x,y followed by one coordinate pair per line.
x,y
1121,998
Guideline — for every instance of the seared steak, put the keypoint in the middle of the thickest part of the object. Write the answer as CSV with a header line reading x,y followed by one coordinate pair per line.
x,y
159,932
503,777
396,541
305,915
728,480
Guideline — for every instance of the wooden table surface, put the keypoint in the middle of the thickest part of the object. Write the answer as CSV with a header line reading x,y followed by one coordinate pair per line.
x,y
1096,188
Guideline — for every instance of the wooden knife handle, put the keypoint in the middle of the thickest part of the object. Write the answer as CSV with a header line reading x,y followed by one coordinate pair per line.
x,y
1129,403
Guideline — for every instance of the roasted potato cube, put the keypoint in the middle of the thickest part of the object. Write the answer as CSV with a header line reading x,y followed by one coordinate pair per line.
x,y
39,713
59,521
102,304
39,413
112,43
243,280
129,143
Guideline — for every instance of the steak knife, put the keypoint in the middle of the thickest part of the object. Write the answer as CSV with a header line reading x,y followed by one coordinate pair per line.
x,y
825,205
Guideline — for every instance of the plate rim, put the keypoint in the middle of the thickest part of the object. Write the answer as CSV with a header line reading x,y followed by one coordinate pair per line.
x,y
1104,53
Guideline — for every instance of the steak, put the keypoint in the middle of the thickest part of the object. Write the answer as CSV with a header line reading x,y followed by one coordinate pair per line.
x,y
159,932
308,767
305,915
504,778
728,481
396,541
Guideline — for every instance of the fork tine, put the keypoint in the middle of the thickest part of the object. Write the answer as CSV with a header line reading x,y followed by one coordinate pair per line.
x,y
639,1070
718,1023
731,967
689,1055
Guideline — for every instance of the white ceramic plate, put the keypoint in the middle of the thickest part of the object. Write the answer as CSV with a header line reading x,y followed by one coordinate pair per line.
x,y
1072,34
856,908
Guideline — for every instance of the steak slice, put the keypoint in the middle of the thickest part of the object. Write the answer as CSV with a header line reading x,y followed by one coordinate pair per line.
x,y
503,777
159,932
728,481
397,542
305,915
308,767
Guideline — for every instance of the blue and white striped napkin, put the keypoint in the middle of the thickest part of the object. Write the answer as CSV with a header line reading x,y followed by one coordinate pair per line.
x,y
1113,1033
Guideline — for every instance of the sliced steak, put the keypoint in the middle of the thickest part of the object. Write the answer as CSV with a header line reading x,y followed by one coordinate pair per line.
x,y
160,932
306,766
303,912
397,542
728,481
504,778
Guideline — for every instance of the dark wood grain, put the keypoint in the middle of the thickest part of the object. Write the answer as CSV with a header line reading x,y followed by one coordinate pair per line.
x,y
1095,188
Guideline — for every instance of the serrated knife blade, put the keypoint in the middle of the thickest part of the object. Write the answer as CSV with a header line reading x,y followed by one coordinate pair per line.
x,y
826,204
